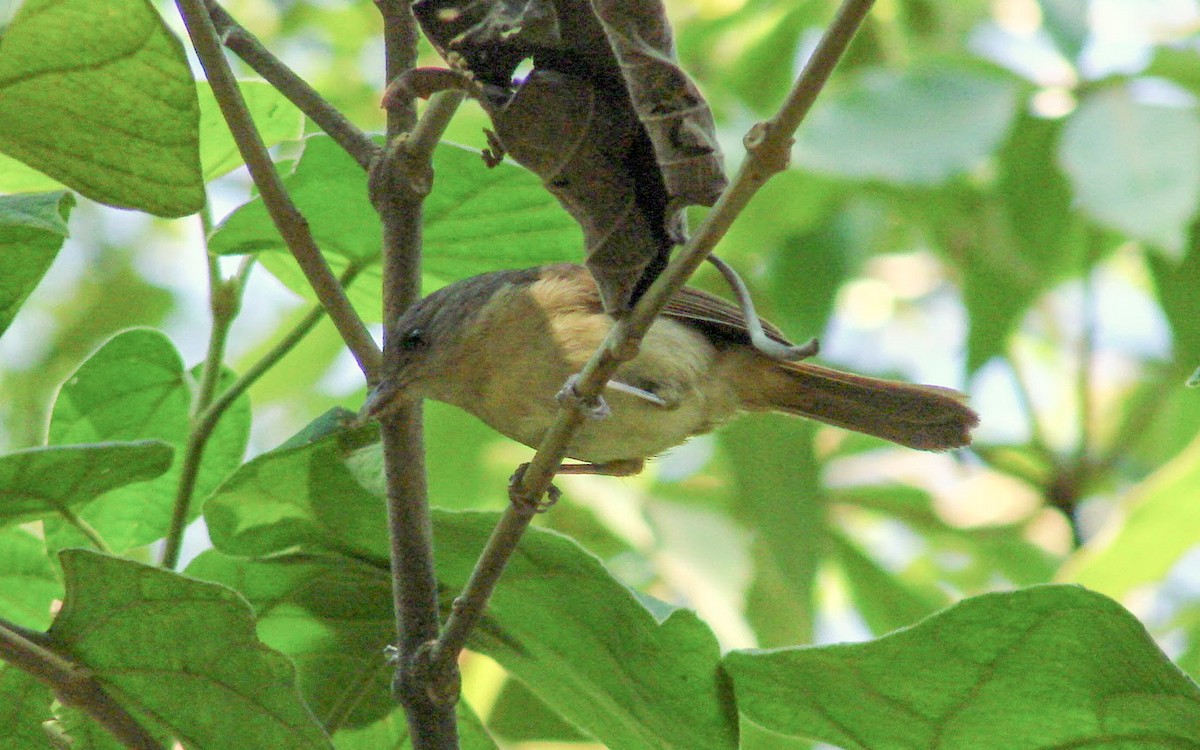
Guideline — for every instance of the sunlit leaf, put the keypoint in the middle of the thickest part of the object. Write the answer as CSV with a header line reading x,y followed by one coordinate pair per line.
x,y
28,583
1050,666
135,387
1162,522
100,97
476,220
275,118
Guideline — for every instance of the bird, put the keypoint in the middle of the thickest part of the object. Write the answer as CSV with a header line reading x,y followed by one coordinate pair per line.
x,y
501,345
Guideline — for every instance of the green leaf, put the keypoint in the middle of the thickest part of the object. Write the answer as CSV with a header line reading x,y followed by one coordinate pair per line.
x,y
476,220
28,584
762,74
135,387
1049,666
24,705
331,615
312,494
391,733
32,229
1177,282
181,654
275,118
1178,64
518,716
1130,166
917,128
100,97
1160,525
627,677
38,483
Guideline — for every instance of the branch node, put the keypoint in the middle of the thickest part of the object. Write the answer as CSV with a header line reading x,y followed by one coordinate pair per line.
x,y
439,677
398,168
769,154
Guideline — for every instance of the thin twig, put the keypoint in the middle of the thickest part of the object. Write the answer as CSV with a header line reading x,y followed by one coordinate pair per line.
x,y
768,145
398,198
287,219
225,299
207,420
73,684
329,118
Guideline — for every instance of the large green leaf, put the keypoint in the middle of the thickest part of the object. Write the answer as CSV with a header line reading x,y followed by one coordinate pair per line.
x,y
635,677
1133,166
40,483
181,654
919,128
135,387
476,220
310,492
631,679
100,97
32,229
331,615
1050,666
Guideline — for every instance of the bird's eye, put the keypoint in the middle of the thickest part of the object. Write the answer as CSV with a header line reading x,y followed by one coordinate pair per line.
x,y
413,338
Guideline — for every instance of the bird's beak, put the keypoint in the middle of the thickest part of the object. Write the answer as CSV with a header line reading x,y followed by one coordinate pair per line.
x,y
382,399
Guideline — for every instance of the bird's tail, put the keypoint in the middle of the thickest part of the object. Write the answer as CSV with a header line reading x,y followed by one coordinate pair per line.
x,y
926,417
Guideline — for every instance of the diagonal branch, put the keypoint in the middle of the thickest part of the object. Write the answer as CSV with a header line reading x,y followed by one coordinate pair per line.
x,y
329,118
287,218
72,683
768,146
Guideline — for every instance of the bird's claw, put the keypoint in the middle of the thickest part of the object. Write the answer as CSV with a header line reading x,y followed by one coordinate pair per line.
x,y
596,408
523,502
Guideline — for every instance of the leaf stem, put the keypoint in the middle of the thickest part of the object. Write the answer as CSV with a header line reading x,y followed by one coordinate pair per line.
x,y
246,46
85,528
72,683
768,147
292,225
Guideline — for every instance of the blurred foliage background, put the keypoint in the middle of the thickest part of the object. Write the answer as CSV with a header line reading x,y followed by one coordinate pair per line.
x,y
995,195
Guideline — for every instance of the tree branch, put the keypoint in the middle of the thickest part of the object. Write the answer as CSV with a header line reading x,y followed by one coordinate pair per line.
x,y
284,214
399,181
768,146
74,684
329,118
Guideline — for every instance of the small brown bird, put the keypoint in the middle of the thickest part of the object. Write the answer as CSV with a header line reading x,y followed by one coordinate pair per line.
x,y
501,346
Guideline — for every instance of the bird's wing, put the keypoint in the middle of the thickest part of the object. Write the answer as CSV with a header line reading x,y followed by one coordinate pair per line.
x,y
712,312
